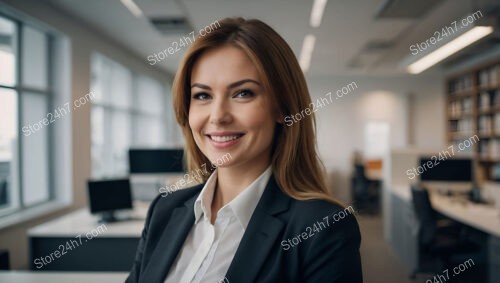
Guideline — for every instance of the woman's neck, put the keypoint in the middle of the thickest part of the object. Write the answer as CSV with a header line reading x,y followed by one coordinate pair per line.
x,y
231,181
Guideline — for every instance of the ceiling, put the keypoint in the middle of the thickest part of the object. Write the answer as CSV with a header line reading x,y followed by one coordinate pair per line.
x,y
350,41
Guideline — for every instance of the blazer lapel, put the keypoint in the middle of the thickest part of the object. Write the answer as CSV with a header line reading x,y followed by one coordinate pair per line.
x,y
260,236
170,243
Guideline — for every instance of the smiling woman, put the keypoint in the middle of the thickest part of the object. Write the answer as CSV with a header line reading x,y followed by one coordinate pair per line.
x,y
231,93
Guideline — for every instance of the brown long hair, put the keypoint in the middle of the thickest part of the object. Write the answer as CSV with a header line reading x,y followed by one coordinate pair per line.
x,y
295,162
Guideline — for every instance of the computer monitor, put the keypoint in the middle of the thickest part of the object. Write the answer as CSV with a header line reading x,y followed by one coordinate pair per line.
x,y
452,170
156,161
453,174
107,196
152,169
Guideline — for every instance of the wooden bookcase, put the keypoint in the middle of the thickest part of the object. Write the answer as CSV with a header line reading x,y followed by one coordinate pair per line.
x,y
473,117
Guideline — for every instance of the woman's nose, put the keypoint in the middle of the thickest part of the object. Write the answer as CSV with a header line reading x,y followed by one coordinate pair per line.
x,y
221,112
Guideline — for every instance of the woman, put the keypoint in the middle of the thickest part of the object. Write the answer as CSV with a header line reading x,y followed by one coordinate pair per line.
x,y
264,214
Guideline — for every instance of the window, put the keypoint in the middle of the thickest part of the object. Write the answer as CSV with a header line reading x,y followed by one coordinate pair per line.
x,y
24,100
127,110
376,139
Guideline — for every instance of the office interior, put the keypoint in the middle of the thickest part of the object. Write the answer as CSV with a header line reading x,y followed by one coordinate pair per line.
x,y
410,140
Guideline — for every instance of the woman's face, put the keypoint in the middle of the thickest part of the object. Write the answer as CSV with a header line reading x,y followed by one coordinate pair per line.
x,y
230,112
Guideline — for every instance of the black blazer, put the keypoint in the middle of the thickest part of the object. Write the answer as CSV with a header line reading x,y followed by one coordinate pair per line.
x,y
324,254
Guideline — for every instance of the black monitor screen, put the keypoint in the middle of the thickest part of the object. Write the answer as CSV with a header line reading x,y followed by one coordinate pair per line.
x,y
449,170
156,160
109,195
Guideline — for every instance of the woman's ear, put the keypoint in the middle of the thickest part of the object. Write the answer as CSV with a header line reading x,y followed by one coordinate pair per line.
x,y
280,118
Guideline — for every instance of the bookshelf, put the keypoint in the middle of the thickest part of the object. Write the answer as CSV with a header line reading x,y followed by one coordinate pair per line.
x,y
473,117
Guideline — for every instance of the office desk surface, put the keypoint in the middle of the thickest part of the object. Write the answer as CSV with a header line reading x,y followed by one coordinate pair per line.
x,y
482,217
81,222
61,277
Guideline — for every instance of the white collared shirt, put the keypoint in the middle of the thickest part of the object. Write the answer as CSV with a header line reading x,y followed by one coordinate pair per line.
x,y
209,249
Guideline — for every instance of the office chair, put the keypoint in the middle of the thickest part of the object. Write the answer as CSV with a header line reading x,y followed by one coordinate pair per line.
x,y
3,191
365,191
439,239
4,260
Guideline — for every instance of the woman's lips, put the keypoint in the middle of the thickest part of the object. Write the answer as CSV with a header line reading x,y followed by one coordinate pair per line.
x,y
224,140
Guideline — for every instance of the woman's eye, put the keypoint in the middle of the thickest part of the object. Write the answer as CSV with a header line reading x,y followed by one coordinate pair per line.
x,y
201,96
244,93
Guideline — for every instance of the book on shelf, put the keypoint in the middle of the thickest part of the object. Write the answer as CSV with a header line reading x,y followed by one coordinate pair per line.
x,y
496,99
484,149
494,78
489,149
485,125
496,122
461,126
467,82
455,108
467,105
483,78
463,83
495,172
495,149
459,107
484,100
453,126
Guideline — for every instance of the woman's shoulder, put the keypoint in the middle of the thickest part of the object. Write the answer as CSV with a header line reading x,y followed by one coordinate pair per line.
x,y
176,198
317,207
322,213
181,192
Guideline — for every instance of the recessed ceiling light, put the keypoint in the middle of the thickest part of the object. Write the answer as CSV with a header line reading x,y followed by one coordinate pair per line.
x,y
132,7
317,12
449,49
306,53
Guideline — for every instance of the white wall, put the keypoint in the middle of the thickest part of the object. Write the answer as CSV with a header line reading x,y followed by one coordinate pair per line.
x,y
429,121
341,123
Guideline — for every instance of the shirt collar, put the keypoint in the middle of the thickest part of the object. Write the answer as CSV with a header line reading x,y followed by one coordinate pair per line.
x,y
204,200
243,205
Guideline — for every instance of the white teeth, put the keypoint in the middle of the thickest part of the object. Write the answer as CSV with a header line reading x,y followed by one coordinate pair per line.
x,y
224,138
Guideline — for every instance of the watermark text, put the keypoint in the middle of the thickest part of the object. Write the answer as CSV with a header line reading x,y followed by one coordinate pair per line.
x,y
69,246
194,175
59,112
320,103
184,41
317,227
446,31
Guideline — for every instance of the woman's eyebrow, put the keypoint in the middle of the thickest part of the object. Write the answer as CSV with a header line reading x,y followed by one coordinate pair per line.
x,y
200,86
238,83
232,85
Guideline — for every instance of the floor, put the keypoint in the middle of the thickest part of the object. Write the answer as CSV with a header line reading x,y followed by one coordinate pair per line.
x,y
380,263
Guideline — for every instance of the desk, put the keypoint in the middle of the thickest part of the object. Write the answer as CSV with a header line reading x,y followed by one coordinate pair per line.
x,y
481,217
61,277
77,242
